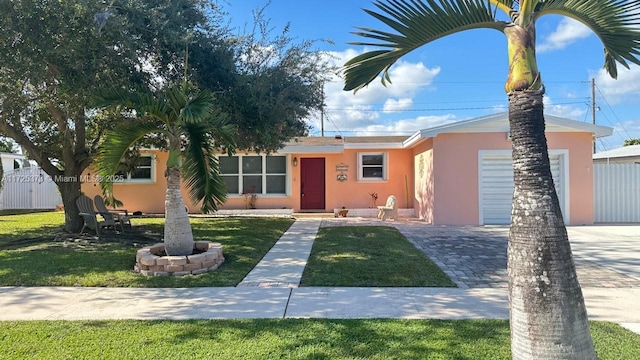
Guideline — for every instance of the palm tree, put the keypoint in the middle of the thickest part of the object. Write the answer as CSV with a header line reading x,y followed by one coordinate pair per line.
x,y
188,122
547,312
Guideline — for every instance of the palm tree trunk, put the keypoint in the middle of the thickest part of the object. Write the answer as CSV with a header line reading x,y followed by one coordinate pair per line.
x,y
178,238
547,312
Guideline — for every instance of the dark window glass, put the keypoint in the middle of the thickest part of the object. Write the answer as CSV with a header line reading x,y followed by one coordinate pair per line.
x,y
372,172
229,165
276,184
141,173
232,184
276,164
144,161
252,184
372,159
252,164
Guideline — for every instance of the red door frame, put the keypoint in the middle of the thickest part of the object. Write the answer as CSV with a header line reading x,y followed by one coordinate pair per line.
x,y
312,184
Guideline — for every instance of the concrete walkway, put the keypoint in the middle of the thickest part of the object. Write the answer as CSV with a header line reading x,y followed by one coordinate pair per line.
x,y
271,290
283,265
76,303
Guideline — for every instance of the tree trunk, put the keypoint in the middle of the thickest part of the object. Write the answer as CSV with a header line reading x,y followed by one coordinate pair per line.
x,y
178,238
547,311
69,191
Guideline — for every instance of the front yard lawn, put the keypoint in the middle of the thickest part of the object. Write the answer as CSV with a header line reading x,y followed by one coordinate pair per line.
x,y
29,256
17,227
282,339
369,256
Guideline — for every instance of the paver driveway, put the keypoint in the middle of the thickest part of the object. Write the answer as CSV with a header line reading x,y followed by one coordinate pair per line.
x,y
476,256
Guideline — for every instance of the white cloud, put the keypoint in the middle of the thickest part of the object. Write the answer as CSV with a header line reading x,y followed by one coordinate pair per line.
x,y
392,105
563,110
406,126
567,32
625,88
357,111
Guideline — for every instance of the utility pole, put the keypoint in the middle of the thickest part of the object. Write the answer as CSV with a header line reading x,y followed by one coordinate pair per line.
x,y
322,112
593,108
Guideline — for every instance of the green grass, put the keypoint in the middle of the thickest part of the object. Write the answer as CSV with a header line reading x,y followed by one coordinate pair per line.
x,y
282,339
16,226
369,256
30,257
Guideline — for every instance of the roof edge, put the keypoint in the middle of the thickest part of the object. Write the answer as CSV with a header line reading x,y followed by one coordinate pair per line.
x,y
460,126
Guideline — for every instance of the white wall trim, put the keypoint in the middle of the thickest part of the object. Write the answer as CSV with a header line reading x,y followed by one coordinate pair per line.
x,y
385,166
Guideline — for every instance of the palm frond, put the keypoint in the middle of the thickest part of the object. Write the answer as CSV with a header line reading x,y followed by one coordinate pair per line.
x,y
201,169
416,23
143,101
505,5
177,99
225,135
115,145
615,22
198,108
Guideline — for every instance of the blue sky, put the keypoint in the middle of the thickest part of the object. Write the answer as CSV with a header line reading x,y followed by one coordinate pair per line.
x,y
454,78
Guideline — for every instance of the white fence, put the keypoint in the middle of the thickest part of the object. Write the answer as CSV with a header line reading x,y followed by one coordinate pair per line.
x,y
28,188
617,192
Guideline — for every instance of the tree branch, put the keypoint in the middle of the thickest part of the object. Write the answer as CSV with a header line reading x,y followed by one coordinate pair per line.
x,y
34,152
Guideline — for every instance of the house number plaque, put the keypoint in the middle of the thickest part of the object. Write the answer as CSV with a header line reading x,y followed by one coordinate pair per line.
x,y
342,168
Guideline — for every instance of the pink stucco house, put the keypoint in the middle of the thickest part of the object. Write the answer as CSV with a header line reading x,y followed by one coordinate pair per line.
x,y
457,174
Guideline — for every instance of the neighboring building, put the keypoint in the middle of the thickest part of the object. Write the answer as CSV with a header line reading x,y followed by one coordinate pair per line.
x,y
624,155
11,161
25,185
617,185
455,174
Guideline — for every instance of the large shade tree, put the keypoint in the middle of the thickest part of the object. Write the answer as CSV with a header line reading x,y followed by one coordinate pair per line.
x,y
273,85
547,312
193,131
55,55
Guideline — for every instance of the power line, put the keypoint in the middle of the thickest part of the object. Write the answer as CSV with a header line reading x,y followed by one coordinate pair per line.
x,y
613,112
386,132
466,82
334,124
442,109
583,98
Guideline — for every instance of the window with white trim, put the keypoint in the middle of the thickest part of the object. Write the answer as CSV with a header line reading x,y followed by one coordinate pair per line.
x,y
144,171
260,174
372,166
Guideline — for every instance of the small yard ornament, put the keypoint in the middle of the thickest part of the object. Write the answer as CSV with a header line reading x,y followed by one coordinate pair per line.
x,y
374,199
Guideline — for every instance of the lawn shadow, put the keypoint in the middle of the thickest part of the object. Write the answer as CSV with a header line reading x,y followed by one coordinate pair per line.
x,y
361,338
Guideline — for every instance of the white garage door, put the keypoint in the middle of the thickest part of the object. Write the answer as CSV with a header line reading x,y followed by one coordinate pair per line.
x,y
496,186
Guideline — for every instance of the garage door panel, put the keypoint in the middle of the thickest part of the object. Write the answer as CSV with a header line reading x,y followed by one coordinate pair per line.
x,y
496,186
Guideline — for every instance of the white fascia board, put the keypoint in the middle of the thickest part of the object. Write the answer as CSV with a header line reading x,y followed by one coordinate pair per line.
x,y
471,125
412,140
11,156
572,125
623,152
373,146
500,123
312,149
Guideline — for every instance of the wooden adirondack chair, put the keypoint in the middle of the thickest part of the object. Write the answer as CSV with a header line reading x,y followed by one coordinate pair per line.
x,y
117,217
89,215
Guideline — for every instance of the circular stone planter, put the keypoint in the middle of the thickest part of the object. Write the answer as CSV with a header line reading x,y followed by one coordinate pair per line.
x,y
152,261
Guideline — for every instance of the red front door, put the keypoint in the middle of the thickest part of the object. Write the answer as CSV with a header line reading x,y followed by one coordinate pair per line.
x,y
312,184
